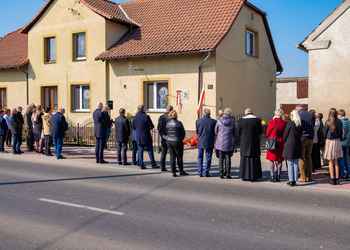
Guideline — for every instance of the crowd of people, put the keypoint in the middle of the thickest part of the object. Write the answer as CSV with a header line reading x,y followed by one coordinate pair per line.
x,y
40,126
298,138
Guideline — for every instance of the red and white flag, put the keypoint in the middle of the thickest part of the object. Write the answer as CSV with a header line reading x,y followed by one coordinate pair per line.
x,y
201,99
178,100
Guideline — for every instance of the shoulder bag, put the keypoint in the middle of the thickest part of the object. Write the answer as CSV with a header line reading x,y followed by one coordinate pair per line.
x,y
271,143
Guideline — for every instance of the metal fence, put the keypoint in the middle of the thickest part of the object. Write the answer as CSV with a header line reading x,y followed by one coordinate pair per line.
x,y
82,134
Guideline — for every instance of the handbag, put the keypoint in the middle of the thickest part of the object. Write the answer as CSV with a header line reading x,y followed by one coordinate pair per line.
x,y
271,143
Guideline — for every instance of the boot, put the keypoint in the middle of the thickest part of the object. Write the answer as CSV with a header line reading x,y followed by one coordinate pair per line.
x,y
272,179
295,183
332,181
278,177
337,182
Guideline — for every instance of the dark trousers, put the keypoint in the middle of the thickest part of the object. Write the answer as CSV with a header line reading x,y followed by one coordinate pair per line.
x,y
2,142
58,146
176,150
8,138
164,153
149,148
121,152
134,153
47,144
30,139
17,141
225,159
99,149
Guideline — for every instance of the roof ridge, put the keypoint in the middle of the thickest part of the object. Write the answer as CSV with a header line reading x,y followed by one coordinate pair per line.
x,y
17,30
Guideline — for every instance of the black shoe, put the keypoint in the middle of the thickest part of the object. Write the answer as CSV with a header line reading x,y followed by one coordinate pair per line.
x,y
119,163
224,173
61,157
176,170
21,152
41,152
337,182
278,177
16,153
135,164
49,155
97,161
103,162
164,169
295,183
183,173
228,177
126,164
221,176
272,179
290,183
207,175
332,181
175,175
200,175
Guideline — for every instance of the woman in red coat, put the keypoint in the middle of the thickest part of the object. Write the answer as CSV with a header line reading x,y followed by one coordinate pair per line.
x,y
276,155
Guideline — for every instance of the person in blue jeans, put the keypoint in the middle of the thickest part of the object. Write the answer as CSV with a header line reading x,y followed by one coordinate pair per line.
x,y
205,129
343,161
143,125
59,127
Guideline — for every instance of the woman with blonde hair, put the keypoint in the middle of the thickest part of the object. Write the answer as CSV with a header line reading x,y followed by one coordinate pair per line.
x,y
292,146
333,151
175,134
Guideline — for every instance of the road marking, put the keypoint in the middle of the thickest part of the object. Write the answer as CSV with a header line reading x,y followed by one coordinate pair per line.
x,y
82,206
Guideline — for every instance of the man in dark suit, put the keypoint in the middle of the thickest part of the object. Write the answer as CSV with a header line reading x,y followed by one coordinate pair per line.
x,y
122,133
249,130
205,129
16,129
162,121
143,125
59,127
29,127
100,132
3,131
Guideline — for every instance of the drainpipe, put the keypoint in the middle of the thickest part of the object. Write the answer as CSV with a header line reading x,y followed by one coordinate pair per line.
x,y
27,86
200,79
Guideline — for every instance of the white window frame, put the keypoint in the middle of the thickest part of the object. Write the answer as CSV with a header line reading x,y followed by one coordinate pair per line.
x,y
81,97
155,95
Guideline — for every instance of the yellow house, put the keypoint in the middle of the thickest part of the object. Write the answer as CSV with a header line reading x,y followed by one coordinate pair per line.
x,y
154,52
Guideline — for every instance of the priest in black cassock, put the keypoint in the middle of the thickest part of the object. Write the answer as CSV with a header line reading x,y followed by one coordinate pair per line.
x,y
249,131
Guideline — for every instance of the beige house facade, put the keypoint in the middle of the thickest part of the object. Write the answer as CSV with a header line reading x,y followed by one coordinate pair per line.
x,y
329,52
83,52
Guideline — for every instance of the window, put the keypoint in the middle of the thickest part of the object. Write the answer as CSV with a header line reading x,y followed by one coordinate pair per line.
x,y
50,50
3,98
79,46
251,43
49,97
302,89
156,96
81,98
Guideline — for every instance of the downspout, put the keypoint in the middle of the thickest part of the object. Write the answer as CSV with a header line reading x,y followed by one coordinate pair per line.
x,y
200,79
27,84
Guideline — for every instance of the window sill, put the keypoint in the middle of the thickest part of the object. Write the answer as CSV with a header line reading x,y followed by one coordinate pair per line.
x,y
252,56
53,62
156,111
80,112
79,60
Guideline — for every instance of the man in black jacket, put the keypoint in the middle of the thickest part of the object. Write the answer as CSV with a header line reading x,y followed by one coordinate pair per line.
x,y
3,131
100,132
162,121
59,127
122,133
16,129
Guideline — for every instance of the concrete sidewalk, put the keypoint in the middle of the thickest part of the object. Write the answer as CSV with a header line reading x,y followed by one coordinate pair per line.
x,y
87,154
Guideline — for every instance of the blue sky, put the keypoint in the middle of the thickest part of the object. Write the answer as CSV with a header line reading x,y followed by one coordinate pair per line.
x,y
290,22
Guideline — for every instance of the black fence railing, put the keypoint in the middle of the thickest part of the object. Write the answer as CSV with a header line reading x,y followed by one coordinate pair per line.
x,y
82,134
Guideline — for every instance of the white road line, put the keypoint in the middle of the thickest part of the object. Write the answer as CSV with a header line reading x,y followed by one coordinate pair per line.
x,y
82,206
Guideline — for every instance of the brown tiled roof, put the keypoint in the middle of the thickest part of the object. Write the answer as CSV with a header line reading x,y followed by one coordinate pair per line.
x,y
180,26
107,9
170,26
14,50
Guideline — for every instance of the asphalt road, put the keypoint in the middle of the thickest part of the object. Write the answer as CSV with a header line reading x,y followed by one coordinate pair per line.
x,y
75,205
